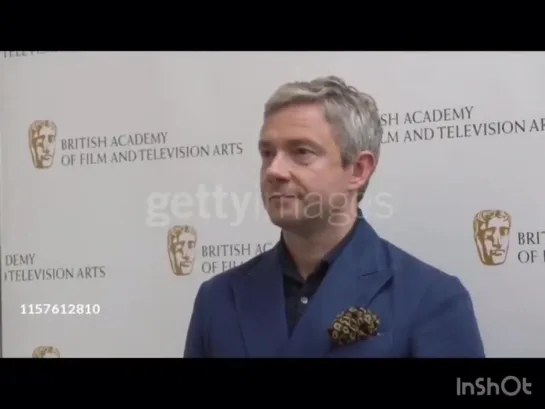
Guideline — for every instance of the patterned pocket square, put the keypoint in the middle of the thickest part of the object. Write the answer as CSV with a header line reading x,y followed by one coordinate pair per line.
x,y
353,325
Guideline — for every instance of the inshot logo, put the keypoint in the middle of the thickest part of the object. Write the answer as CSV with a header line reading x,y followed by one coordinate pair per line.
x,y
508,386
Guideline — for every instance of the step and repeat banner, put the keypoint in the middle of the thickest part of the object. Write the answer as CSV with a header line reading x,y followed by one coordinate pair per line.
x,y
130,178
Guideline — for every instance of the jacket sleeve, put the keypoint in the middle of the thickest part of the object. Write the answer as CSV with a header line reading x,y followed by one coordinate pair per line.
x,y
195,339
447,326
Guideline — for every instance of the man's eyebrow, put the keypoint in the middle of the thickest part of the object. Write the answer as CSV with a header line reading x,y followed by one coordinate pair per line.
x,y
295,141
301,141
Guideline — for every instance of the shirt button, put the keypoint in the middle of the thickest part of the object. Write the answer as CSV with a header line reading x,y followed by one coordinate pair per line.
x,y
304,300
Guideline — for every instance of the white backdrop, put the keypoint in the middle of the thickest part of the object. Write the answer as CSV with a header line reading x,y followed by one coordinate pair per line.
x,y
137,135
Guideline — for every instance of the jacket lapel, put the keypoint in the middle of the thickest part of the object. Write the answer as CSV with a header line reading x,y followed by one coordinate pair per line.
x,y
354,279
259,299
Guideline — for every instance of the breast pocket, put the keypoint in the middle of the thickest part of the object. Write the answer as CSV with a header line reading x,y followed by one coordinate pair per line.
x,y
379,346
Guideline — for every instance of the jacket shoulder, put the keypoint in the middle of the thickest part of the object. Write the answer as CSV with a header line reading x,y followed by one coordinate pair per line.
x,y
421,276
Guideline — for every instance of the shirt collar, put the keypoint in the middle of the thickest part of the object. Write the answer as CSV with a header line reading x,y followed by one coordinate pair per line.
x,y
330,257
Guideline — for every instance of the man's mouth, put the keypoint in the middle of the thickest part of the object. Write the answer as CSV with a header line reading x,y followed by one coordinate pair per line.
x,y
281,196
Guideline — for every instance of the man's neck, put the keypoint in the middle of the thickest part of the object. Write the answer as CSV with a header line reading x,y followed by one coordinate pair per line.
x,y
308,250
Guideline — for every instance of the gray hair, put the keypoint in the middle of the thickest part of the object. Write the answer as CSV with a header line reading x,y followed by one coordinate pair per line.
x,y
352,114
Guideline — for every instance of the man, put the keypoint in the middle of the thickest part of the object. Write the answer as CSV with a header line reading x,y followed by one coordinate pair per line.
x,y
319,146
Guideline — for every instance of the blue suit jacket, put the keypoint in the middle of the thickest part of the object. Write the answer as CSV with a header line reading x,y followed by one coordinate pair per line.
x,y
423,312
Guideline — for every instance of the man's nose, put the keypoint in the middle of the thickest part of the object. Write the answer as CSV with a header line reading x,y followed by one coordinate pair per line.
x,y
278,168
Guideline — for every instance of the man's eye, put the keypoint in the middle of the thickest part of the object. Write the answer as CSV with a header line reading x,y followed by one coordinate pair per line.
x,y
303,151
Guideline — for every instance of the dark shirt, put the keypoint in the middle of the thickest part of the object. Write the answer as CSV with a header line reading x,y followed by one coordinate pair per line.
x,y
298,292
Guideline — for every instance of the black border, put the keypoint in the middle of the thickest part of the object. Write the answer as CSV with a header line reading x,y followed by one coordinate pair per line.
x,y
361,383
377,26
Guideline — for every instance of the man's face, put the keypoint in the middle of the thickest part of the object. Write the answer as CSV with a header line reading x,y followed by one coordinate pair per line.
x,y
43,145
182,251
493,237
302,176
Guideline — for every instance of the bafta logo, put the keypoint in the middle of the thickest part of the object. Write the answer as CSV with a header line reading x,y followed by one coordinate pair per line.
x,y
42,135
46,352
182,245
491,229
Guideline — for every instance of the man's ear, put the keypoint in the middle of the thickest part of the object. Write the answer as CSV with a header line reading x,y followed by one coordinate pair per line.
x,y
362,170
